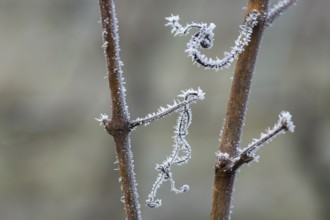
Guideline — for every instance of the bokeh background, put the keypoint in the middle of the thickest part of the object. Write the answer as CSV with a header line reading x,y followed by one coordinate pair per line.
x,y
56,162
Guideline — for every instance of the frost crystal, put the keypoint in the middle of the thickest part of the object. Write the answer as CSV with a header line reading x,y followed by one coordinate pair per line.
x,y
103,118
222,156
205,36
278,9
285,119
181,152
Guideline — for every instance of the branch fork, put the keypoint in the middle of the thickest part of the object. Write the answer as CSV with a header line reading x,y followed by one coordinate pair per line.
x,y
181,152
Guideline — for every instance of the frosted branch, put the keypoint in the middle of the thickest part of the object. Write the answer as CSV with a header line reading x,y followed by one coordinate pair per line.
x,y
190,96
278,10
227,163
204,39
283,124
181,152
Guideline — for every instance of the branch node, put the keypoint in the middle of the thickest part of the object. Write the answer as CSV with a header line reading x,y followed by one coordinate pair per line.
x,y
111,126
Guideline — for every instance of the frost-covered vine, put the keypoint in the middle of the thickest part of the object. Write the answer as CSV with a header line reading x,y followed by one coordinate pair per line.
x,y
181,152
278,9
204,38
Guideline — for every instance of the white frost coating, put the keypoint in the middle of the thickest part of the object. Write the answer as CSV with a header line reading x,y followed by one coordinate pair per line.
x,y
102,119
105,45
285,119
112,33
192,97
181,152
283,124
205,36
278,9
222,156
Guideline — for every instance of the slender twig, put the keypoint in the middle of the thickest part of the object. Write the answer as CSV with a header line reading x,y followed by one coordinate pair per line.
x,y
236,110
177,106
118,125
248,154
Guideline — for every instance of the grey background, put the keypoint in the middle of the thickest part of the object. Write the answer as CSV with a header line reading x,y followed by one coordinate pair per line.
x,y
57,163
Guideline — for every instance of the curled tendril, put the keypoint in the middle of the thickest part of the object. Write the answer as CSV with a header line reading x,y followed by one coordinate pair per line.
x,y
181,152
204,38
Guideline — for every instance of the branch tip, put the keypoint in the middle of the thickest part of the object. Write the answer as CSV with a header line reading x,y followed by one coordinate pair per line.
x,y
285,119
247,154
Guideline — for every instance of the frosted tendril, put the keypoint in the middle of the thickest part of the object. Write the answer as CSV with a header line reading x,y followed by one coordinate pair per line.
x,y
181,152
204,38
278,9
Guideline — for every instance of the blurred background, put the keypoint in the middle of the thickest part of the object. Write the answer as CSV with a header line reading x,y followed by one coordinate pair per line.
x,y
56,162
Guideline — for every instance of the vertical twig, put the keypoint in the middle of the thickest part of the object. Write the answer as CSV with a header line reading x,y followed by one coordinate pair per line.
x,y
236,109
118,126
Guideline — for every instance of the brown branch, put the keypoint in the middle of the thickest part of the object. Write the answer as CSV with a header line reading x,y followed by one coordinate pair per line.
x,y
236,109
117,126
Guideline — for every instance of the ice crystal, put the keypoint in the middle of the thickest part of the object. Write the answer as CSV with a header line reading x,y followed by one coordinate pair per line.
x,y
204,38
103,118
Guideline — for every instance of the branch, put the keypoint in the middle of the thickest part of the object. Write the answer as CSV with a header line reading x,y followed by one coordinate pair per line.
x,y
236,111
248,154
278,10
190,96
204,39
118,125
